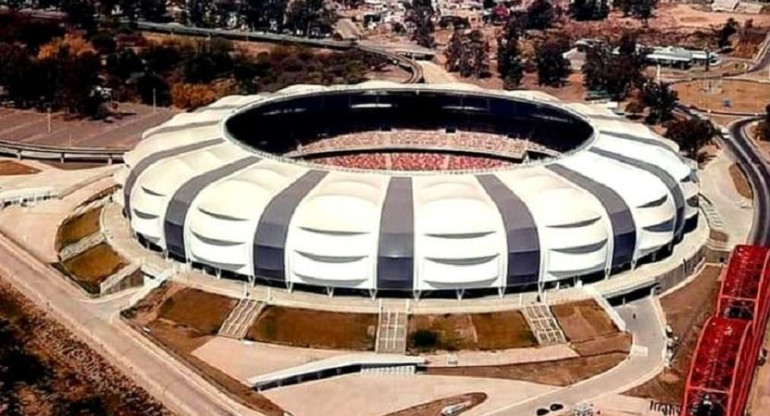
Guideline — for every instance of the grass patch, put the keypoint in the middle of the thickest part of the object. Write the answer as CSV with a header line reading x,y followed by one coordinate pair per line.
x,y
11,168
315,329
78,227
483,331
740,182
91,267
583,321
197,310
553,373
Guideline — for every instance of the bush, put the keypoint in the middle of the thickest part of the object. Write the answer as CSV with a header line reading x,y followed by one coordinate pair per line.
x,y
424,339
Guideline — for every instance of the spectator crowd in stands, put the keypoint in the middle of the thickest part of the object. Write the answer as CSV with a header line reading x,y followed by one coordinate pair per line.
x,y
411,161
464,141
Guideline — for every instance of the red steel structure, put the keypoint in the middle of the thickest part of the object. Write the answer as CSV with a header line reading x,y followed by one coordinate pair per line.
x,y
726,354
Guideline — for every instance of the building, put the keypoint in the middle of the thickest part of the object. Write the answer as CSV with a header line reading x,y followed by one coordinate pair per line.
x,y
214,189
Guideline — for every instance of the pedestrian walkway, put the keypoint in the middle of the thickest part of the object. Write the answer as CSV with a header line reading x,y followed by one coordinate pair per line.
x,y
391,331
241,318
543,324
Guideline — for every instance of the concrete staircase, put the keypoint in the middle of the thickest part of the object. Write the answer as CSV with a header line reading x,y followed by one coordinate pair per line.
x,y
543,324
241,318
391,330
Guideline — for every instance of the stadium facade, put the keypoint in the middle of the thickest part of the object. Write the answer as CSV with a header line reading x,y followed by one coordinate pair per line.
x,y
211,188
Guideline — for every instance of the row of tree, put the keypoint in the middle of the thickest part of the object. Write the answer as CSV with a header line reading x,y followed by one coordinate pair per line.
x,y
297,16
43,67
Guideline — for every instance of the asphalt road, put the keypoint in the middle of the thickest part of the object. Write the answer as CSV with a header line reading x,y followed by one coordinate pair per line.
x,y
96,322
757,171
646,360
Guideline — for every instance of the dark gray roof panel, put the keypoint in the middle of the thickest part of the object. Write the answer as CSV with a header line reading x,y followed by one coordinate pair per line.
x,y
181,127
671,183
153,158
521,232
623,227
395,265
179,205
273,227
645,140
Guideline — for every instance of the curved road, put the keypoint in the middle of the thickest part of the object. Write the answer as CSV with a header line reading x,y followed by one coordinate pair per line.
x,y
757,171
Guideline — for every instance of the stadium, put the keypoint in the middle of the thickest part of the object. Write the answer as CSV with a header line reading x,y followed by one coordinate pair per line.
x,y
383,189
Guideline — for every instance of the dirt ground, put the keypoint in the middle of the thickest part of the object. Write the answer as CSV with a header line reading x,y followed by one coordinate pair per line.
x,y
740,182
315,329
748,97
686,310
11,168
91,267
553,373
488,331
46,370
182,326
72,165
583,321
196,310
78,227
434,408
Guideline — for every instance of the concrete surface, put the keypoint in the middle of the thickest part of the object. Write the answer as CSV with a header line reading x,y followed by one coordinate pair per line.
x,y
376,395
717,186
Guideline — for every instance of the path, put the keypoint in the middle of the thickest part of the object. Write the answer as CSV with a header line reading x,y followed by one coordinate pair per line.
x,y
643,363
182,390
435,74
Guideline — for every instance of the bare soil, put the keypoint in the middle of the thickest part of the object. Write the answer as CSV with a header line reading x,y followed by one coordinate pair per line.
x,y
746,97
11,168
486,331
182,325
740,182
73,165
91,267
49,371
196,310
583,321
555,373
434,408
315,329
717,235
76,228
686,311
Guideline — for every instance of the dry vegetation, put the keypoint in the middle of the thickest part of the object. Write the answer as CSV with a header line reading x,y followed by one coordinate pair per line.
x,y
749,97
93,266
315,329
686,311
554,373
486,331
740,182
180,320
583,321
78,227
434,408
46,370
11,168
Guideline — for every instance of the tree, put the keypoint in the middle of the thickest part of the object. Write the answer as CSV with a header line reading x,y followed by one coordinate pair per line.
x,y
468,54
264,14
589,9
153,89
552,68
153,10
614,69
80,14
691,134
540,15
421,14
723,35
454,51
661,100
310,17
509,63
642,9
